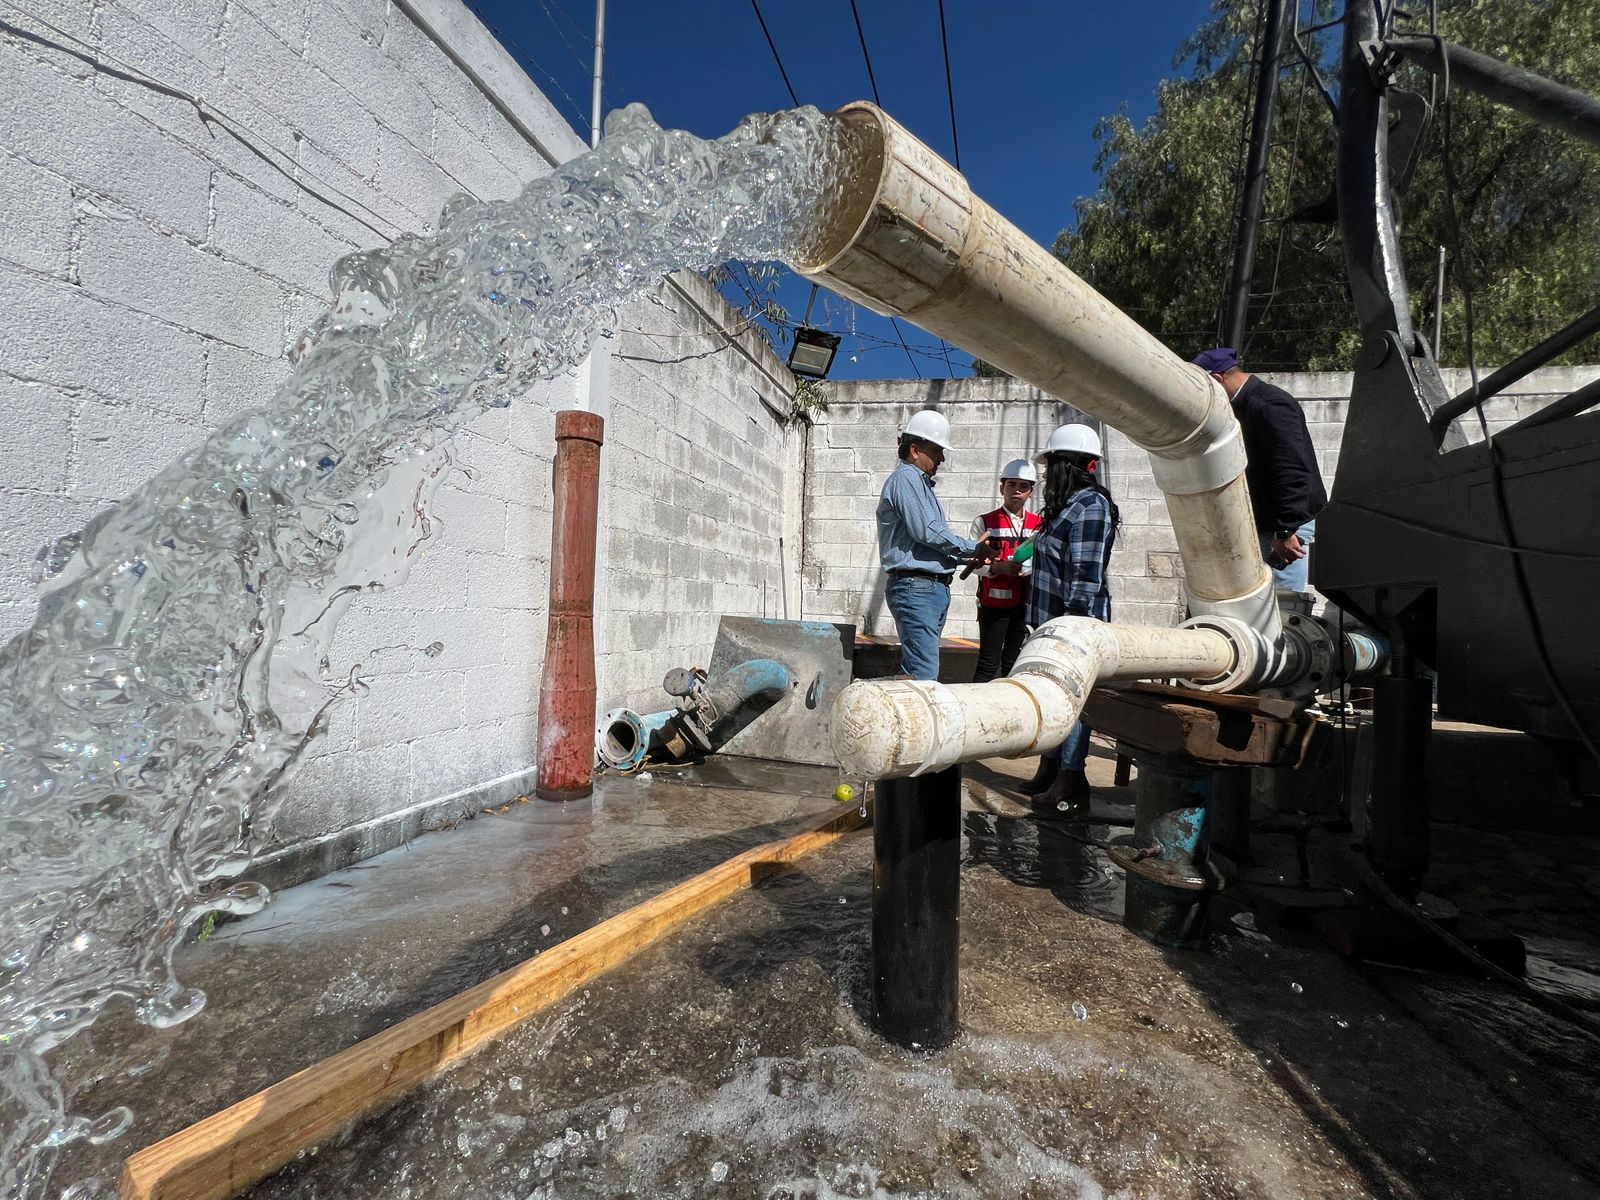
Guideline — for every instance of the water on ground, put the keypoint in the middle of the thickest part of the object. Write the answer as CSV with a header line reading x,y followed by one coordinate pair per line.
x,y
736,1058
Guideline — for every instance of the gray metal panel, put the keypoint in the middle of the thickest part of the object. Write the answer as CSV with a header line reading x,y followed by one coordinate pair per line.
x,y
819,656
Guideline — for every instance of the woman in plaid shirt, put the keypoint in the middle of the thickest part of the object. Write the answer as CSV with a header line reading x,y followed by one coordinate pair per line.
x,y
1070,561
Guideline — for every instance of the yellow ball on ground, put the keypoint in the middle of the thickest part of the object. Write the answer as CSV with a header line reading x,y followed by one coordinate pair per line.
x,y
844,793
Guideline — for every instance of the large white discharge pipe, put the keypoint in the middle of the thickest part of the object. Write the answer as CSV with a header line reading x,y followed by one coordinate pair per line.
x,y
911,240
888,728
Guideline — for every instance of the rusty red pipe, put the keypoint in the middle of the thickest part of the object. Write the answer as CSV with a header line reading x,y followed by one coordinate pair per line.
x,y
567,688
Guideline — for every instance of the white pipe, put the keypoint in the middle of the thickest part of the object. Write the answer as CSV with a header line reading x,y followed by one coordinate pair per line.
x,y
913,241
599,70
883,729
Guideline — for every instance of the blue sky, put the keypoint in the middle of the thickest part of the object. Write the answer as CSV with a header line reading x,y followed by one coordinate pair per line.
x,y
1031,78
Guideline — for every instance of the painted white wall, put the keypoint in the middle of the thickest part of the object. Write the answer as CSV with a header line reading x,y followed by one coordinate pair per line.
x,y
153,270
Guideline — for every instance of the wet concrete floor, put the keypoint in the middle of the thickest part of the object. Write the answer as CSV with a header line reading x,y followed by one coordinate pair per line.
x,y
735,1058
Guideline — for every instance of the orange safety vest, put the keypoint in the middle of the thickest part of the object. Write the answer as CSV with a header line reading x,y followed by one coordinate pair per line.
x,y
1006,591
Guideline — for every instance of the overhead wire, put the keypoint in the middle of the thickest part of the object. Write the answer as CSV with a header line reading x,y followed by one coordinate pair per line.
x,y
581,116
862,35
561,33
776,57
949,88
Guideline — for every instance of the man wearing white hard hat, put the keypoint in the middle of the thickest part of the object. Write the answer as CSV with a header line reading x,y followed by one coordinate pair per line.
x,y
1003,584
1071,560
916,546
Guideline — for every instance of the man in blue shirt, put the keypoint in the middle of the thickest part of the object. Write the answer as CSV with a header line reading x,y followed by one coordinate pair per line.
x,y
916,546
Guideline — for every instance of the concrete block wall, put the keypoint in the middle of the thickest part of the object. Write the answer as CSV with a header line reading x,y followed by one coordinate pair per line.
x,y
162,262
993,420
704,482
154,267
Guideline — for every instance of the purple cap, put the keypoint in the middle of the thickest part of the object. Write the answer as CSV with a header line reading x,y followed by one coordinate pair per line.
x,y
1217,362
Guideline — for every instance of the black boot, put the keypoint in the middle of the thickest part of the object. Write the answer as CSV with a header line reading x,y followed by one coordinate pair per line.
x,y
1049,767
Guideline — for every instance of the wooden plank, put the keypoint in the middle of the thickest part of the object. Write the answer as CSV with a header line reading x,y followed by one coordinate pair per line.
x,y
1236,733
230,1150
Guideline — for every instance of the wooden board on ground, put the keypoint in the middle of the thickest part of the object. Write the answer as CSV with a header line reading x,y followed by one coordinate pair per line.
x,y
244,1143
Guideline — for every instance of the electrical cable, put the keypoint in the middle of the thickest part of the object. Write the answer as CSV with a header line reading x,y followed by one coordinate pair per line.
x,y
1519,572
899,334
949,88
209,116
565,41
773,46
861,34
581,116
578,31
1543,1000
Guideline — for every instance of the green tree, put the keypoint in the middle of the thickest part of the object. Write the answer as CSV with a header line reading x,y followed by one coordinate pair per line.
x,y
1157,238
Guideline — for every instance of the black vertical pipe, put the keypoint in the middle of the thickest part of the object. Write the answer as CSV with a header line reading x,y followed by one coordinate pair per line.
x,y
916,899
1399,808
1255,174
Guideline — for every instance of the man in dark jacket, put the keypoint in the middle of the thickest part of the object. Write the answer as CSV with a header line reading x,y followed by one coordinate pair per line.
x,y
1285,483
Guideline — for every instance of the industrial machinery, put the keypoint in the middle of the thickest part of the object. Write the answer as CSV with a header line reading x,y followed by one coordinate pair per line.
x,y
1439,553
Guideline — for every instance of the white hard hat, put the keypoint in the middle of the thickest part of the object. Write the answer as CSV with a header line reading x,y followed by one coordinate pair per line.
x,y
1074,439
928,426
1020,468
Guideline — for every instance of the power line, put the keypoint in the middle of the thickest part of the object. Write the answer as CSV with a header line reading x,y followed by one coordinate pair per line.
x,y
896,323
949,89
773,46
861,34
566,18
580,114
562,34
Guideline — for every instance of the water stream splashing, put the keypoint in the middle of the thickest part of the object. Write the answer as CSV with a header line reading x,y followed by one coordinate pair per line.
x,y
175,671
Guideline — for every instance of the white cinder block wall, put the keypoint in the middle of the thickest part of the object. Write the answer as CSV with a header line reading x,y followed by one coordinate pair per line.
x,y
995,420
153,269
704,489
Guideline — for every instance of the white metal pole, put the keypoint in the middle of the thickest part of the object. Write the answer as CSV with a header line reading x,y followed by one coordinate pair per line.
x,y
599,65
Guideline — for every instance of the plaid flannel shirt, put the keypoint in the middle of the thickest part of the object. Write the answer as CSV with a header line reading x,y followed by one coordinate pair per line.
x,y
1070,560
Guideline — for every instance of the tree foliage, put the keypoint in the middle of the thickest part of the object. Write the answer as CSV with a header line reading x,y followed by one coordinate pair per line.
x,y
1158,236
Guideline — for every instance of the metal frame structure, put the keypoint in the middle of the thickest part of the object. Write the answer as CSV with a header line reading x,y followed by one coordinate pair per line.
x,y
1463,553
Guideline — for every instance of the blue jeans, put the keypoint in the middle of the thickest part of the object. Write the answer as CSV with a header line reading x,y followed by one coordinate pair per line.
x,y
1075,750
1296,576
919,606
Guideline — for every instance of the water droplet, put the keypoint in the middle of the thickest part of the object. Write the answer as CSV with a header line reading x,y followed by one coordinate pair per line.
x,y
1062,806
515,1083
1296,988
719,1171
1079,1010
563,910
1341,1023
544,930
572,1137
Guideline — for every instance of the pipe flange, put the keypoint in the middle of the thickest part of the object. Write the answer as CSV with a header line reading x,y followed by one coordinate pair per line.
x,y
1252,654
1311,657
622,742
